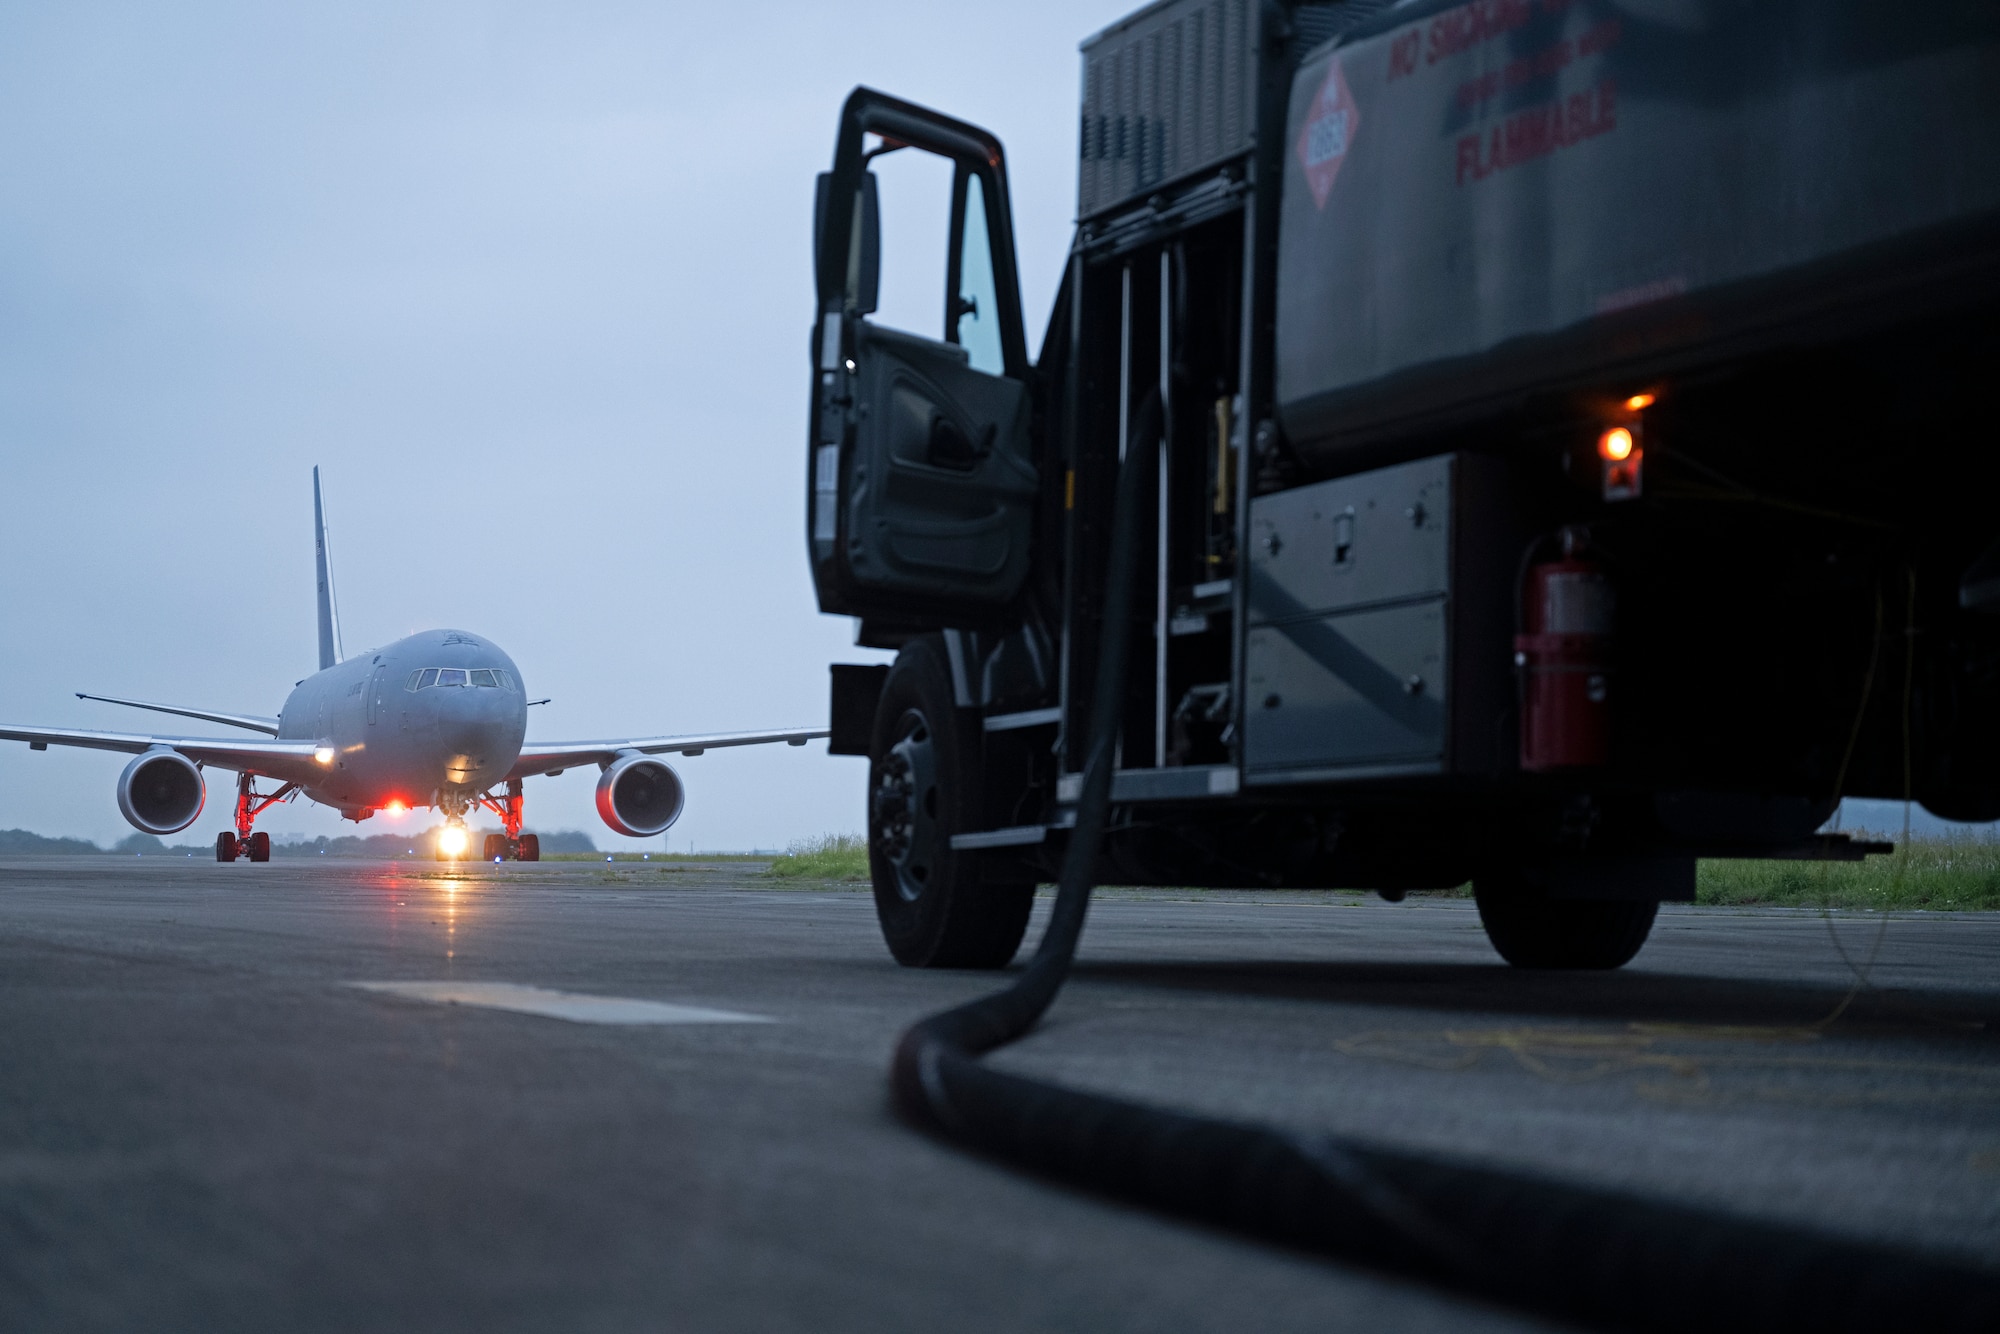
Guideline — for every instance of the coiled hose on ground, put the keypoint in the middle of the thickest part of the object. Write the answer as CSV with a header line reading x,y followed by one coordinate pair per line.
x,y
1538,1244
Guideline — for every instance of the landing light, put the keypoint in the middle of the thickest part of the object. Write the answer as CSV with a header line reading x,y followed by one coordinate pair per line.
x,y
452,840
324,755
1615,445
395,808
1639,402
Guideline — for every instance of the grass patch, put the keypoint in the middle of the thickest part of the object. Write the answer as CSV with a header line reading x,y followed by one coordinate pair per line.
x,y
666,858
1952,874
828,857
1948,874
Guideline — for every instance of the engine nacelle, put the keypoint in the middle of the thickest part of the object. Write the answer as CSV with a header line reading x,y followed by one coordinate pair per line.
x,y
161,792
639,796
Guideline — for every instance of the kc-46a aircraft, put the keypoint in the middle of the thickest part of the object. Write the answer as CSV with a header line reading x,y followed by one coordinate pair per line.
x,y
438,719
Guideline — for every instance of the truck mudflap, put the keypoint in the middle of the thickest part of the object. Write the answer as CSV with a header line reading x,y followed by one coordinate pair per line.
x,y
1515,194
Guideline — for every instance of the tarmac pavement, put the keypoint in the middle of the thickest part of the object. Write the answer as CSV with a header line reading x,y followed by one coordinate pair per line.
x,y
579,1096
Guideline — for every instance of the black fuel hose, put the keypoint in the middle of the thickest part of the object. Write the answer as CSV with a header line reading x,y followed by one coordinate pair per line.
x,y
1573,1252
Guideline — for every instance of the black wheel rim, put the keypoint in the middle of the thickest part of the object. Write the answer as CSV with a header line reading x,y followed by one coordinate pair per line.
x,y
903,807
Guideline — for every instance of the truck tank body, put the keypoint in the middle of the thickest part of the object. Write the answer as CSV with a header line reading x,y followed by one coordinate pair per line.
x,y
1484,201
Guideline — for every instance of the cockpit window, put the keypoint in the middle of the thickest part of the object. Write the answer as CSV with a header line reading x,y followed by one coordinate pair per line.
x,y
491,677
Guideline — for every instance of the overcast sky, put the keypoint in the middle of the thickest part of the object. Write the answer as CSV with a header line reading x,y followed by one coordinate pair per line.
x,y
530,283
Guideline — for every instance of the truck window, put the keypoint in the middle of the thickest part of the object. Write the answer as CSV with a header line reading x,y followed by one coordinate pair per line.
x,y
976,327
914,188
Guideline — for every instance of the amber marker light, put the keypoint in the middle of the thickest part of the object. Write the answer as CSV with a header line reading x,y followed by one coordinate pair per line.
x,y
1639,402
324,755
1615,445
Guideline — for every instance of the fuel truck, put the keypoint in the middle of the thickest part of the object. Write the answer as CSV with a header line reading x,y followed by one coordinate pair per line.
x,y
1571,433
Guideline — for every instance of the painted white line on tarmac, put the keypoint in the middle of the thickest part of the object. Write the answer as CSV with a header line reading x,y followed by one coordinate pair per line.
x,y
574,1006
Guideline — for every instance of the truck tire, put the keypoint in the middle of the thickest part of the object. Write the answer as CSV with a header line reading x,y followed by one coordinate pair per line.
x,y
923,786
1532,930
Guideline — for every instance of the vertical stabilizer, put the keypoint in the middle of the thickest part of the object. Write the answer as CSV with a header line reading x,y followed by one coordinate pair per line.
x,y
329,613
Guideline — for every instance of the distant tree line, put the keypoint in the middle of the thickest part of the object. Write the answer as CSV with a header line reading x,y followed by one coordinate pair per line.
x,y
19,843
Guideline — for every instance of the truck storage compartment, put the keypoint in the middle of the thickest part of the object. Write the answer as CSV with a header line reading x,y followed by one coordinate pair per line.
x,y
1376,641
1354,688
1487,200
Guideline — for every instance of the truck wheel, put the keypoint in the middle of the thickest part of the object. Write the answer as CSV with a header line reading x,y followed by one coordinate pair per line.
x,y
923,786
1532,930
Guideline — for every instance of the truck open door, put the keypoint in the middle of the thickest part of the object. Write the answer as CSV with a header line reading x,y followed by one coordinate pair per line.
x,y
921,481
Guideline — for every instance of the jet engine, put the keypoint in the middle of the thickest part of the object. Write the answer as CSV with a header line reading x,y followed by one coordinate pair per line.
x,y
638,796
161,791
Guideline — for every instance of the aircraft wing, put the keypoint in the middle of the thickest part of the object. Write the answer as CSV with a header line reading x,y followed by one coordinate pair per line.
x,y
289,761
255,722
552,757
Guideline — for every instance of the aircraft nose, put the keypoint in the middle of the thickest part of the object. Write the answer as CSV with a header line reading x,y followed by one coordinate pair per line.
x,y
472,727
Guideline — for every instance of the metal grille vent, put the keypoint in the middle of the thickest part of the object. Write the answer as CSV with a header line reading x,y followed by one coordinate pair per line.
x,y
1165,93
1315,24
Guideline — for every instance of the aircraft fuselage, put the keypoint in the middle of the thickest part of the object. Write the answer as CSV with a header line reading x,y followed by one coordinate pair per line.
x,y
399,735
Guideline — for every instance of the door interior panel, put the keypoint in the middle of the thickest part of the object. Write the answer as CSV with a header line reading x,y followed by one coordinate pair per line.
x,y
942,485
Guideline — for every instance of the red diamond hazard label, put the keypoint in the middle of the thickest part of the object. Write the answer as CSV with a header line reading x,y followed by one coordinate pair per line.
x,y
1328,133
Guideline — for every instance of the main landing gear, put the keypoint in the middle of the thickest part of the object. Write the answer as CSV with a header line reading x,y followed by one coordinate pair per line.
x,y
250,803
526,848
512,846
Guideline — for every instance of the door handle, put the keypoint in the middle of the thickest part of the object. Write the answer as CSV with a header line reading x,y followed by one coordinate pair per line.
x,y
950,447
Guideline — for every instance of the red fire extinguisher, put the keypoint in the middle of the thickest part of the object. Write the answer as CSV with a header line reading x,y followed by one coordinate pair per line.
x,y
1564,659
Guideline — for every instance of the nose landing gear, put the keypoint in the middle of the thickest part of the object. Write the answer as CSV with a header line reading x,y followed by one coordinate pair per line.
x,y
452,840
250,803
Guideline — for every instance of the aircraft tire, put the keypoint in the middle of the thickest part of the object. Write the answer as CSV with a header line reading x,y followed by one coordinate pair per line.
x,y
934,908
225,847
496,847
260,846
1531,930
531,848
